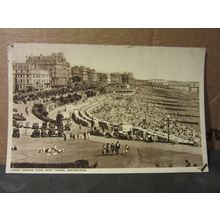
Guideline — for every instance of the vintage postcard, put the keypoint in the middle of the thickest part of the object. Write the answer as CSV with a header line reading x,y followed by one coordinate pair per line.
x,y
105,109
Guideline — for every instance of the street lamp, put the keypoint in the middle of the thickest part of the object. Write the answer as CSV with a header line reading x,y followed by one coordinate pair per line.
x,y
168,128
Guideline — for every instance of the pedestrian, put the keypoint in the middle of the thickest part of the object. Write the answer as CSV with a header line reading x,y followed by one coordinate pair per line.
x,y
103,149
117,148
112,148
107,148
85,135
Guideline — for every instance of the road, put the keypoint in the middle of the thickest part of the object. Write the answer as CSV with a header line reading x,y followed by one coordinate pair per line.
x,y
30,117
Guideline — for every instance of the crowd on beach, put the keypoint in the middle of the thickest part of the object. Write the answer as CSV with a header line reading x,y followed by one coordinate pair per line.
x,y
137,110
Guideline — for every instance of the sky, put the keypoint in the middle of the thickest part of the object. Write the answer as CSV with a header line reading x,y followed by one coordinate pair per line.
x,y
171,63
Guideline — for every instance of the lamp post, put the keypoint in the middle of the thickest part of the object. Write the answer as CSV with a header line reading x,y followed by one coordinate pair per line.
x,y
168,128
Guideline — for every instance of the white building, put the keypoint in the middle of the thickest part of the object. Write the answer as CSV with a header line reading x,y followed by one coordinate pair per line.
x,y
25,77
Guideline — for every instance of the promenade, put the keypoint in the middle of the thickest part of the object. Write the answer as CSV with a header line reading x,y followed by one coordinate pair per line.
x,y
141,154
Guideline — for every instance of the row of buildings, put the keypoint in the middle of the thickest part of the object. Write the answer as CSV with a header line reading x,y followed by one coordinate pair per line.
x,y
41,72
171,84
84,74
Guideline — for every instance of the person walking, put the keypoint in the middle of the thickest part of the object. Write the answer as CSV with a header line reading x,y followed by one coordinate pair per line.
x,y
107,148
112,148
117,148
103,149
85,135
64,136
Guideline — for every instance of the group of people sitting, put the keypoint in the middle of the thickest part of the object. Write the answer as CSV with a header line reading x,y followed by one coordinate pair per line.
x,y
108,149
51,151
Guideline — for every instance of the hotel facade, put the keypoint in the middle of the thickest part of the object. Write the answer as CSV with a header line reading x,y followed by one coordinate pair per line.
x,y
25,78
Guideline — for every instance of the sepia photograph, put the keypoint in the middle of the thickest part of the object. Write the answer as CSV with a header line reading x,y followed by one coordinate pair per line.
x,y
77,108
